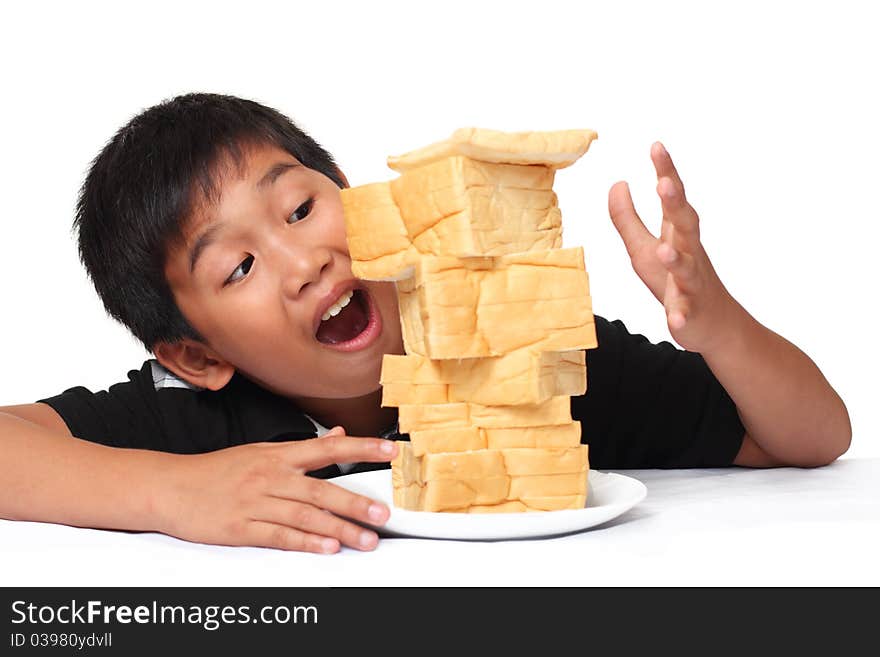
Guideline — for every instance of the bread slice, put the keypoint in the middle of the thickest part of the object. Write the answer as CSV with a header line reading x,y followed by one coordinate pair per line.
x,y
522,376
454,308
451,185
559,435
451,176
385,239
548,485
434,441
535,275
451,494
374,226
537,477
378,242
559,324
556,149
464,439
446,237
392,267
475,344
483,208
523,389
523,461
415,417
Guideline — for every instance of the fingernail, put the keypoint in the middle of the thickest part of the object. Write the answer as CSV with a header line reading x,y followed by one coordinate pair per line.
x,y
387,446
662,148
367,539
376,512
328,545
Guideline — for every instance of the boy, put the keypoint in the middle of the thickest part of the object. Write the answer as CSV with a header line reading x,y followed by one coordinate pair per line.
x,y
212,228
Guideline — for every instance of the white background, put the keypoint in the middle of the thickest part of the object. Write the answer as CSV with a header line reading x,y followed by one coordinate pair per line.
x,y
770,111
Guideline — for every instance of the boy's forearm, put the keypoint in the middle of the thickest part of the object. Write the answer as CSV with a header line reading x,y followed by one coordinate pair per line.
x,y
49,477
785,403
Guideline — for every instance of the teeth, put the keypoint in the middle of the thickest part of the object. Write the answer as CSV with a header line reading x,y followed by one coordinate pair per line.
x,y
341,303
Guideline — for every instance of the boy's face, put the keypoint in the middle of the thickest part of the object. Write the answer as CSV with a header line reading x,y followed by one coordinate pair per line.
x,y
276,248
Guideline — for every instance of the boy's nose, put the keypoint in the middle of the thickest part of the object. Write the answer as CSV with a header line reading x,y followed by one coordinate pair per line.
x,y
301,266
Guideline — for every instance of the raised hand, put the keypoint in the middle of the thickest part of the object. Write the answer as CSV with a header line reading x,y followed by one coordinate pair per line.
x,y
674,266
260,495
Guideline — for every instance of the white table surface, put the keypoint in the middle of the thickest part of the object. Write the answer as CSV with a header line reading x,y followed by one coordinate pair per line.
x,y
695,527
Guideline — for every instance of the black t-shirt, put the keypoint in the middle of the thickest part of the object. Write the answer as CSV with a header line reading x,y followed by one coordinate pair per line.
x,y
646,406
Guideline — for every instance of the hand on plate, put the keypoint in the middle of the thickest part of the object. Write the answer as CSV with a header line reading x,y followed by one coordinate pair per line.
x,y
260,495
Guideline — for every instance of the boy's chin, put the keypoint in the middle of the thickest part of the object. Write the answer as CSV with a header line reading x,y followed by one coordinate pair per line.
x,y
340,393
360,393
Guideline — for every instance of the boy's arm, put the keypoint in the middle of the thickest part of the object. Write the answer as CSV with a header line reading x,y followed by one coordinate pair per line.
x,y
791,413
47,475
41,414
257,494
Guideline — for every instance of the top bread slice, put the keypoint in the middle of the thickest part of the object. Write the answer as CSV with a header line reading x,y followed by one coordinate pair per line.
x,y
557,149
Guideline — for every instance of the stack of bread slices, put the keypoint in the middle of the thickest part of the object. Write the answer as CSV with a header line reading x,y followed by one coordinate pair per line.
x,y
495,317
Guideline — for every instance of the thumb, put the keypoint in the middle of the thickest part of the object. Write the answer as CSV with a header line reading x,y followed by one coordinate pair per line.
x,y
637,239
625,218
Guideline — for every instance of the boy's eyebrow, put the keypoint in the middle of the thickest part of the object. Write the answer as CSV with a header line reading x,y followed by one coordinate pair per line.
x,y
275,171
204,241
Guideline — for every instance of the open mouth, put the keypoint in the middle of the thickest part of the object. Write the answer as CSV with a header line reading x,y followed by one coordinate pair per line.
x,y
349,323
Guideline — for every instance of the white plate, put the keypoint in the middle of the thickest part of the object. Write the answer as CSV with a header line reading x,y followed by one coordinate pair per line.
x,y
609,495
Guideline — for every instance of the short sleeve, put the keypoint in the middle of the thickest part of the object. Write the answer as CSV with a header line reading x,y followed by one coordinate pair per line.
x,y
653,406
135,414
124,415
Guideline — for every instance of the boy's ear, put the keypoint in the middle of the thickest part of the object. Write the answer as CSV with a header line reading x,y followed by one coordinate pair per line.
x,y
342,175
195,363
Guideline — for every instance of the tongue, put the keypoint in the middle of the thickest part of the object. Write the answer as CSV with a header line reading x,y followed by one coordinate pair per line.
x,y
347,325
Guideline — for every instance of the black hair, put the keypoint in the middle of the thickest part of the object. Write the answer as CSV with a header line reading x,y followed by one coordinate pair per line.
x,y
143,186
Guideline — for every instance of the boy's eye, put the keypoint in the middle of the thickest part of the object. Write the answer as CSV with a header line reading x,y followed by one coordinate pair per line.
x,y
301,212
241,271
